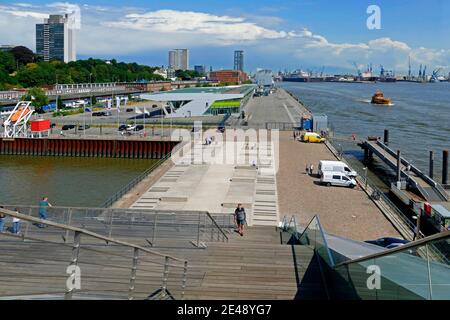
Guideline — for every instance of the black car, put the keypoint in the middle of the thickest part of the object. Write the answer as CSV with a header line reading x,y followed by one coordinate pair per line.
x,y
139,127
68,127
123,127
388,242
52,125
99,114
84,127
130,110
221,129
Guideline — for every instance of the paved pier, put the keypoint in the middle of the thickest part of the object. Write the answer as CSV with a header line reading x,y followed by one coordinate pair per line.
x,y
268,197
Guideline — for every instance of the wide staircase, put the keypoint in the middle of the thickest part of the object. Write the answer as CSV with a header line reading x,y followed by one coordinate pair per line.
x,y
126,254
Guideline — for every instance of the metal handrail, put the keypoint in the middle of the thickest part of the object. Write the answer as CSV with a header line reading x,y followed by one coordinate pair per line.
x,y
217,226
116,196
435,237
85,232
322,233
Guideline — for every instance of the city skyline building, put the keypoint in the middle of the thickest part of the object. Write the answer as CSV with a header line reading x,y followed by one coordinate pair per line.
x,y
179,59
238,60
55,39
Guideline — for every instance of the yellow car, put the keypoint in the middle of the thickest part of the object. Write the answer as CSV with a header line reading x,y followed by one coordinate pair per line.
x,y
312,137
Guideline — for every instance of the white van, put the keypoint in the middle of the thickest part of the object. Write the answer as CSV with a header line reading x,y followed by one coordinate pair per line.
x,y
337,166
337,179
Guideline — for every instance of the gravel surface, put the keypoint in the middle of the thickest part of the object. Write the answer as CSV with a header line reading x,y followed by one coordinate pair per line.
x,y
342,211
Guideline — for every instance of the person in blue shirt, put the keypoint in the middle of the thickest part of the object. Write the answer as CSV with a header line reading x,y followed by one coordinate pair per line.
x,y
43,204
2,220
240,218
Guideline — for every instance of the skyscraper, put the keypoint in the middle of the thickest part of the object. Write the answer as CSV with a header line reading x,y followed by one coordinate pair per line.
x,y
239,60
179,59
55,39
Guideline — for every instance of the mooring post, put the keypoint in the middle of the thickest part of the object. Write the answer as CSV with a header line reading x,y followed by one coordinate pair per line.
x,y
431,165
399,172
445,167
386,137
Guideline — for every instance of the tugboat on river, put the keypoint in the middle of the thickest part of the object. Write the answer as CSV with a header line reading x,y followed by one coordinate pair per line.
x,y
379,98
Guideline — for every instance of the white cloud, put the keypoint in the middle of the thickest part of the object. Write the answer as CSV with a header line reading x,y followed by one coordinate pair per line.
x,y
224,29
114,31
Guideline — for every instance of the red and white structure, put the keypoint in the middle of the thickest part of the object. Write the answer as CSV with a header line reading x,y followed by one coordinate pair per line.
x,y
16,125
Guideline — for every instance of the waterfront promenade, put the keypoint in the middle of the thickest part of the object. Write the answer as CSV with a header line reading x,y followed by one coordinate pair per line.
x,y
219,187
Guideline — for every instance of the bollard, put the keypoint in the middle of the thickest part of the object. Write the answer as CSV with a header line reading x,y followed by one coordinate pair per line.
x,y
386,137
445,167
431,165
399,173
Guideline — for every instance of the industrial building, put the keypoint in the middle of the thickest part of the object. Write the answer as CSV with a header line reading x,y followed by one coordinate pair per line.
x,y
194,102
55,39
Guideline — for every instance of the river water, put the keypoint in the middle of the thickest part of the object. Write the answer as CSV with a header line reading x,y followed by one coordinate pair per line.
x,y
418,120
67,181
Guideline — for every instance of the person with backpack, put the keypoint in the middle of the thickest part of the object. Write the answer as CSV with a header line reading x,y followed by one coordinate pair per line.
x,y
240,218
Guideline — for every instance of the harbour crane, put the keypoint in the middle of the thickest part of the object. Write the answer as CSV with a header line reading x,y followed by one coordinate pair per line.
x,y
435,75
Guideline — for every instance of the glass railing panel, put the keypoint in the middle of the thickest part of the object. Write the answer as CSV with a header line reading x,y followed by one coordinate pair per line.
x,y
404,275
440,269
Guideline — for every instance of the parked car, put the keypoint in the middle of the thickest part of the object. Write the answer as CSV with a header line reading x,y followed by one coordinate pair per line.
x,y
123,127
84,127
68,127
130,110
312,137
98,114
52,125
388,242
221,129
337,166
139,127
337,179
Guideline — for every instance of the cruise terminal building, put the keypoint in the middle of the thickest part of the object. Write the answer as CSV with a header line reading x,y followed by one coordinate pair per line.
x,y
202,101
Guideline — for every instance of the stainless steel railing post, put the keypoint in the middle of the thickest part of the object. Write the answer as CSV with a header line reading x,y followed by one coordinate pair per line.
x,y
133,273
111,214
198,229
154,229
183,285
69,220
165,276
73,262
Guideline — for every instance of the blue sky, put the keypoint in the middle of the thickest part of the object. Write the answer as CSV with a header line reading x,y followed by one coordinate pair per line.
x,y
279,35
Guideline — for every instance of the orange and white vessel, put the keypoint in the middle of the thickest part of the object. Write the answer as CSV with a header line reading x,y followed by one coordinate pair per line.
x,y
16,124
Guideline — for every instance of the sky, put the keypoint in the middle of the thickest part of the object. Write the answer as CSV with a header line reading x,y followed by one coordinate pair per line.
x,y
278,35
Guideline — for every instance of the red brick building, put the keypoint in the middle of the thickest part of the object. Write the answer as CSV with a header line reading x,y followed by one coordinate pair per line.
x,y
228,76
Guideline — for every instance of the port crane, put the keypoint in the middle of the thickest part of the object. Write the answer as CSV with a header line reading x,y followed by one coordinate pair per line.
x,y
435,75
17,122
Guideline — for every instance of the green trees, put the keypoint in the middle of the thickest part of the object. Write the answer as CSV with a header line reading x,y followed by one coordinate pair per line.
x,y
19,67
187,74
38,98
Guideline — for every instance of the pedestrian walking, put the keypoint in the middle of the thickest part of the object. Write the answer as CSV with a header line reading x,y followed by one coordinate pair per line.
x,y
2,220
311,169
240,219
16,224
43,204
307,169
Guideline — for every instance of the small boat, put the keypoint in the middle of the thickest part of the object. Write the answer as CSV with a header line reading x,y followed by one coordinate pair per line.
x,y
379,98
